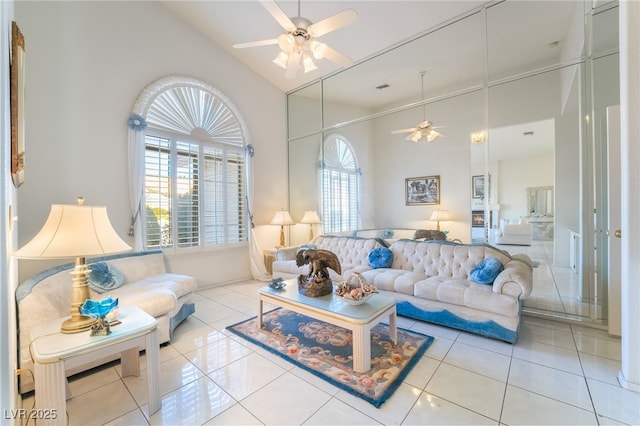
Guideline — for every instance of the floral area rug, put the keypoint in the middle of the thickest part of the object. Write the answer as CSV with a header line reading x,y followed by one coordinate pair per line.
x,y
326,351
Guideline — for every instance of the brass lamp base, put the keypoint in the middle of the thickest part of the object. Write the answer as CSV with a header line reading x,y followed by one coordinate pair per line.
x,y
77,324
79,293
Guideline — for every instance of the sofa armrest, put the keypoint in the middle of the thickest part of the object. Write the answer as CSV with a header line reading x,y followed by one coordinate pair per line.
x,y
516,279
287,253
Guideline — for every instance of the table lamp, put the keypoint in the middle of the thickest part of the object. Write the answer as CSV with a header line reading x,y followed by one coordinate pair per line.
x,y
311,217
75,231
439,216
282,218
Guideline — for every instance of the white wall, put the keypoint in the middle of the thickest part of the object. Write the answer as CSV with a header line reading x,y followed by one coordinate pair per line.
x,y
8,234
87,62
449,156
516,175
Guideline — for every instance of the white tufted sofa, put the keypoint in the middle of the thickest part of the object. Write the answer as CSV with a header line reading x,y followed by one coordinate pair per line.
x,y
353,253
430,281
147,284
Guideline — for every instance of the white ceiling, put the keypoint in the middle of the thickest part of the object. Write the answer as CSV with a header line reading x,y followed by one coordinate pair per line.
x,y
380,24
383,24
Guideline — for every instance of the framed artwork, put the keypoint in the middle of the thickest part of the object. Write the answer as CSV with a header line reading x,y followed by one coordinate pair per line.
x,y
477,186
422,190
17,90
477,218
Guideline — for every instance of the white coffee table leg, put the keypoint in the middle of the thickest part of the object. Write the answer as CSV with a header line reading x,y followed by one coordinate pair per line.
x,y
130,362
50,393
260,307
393,329
152,348
361,349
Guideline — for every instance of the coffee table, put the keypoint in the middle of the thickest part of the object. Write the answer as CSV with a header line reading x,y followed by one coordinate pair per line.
x,y
54,352
359,319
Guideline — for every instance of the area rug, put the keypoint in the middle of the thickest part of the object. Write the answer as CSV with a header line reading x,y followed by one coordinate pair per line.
x,y
326,351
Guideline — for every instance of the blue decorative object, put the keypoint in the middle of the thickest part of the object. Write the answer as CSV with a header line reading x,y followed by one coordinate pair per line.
x,y
380,257
96,309
137,122
250,150
386,233
277,283
486,271
104,277
99,310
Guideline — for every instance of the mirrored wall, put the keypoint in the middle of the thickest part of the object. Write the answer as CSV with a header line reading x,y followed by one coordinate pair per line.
x,y
531,81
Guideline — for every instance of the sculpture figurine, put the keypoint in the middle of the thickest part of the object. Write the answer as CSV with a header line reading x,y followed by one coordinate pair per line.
x,y
317,283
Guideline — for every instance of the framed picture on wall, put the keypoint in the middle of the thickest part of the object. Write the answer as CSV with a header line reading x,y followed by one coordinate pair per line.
x,y
16,90
422,190
477,186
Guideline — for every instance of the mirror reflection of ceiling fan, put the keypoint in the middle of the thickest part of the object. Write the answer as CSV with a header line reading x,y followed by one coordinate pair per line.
x,y
425,128
298,44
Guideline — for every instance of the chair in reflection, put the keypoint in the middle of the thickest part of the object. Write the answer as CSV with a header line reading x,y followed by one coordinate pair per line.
x,y
514,234
429,234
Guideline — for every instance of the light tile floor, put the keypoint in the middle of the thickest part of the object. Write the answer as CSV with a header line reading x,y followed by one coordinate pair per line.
x,y
557,373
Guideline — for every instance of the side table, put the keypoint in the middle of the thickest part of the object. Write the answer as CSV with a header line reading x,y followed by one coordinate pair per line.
x,y
54,352
269,258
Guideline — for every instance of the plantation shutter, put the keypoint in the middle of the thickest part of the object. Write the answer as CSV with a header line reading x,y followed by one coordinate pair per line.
x,y
340,198
194,171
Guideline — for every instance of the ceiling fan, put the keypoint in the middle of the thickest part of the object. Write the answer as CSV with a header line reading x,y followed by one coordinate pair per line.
x,y
425,128
298,44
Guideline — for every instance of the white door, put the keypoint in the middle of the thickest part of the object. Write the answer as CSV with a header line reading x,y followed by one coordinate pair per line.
x,y
615,249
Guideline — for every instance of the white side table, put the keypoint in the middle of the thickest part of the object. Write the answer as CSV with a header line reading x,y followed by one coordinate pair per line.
x,y
54,352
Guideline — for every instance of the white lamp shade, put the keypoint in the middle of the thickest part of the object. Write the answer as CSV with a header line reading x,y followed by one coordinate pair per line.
x,y
311,217
282,217
440,215
74,231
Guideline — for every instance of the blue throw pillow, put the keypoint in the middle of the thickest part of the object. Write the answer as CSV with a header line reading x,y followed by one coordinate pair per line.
x,y
385,233
104,277
486,271
380,257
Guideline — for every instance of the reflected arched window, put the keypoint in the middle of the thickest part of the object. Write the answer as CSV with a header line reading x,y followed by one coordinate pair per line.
x,y
340,188
194,169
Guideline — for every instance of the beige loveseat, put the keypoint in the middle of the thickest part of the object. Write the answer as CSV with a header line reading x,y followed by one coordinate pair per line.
x,y
146,284
430,281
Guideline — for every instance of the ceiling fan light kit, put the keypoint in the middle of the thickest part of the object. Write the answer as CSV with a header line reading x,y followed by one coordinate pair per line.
x,y
423,130
298,46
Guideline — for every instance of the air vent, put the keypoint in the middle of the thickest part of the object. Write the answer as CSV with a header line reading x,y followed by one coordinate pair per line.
x,y
382,86
529,133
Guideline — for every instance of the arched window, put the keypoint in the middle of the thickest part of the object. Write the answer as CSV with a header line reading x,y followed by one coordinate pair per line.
x,y
193,194
340,186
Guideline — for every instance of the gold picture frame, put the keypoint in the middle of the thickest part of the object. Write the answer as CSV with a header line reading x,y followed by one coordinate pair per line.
x,y
17,91
422,190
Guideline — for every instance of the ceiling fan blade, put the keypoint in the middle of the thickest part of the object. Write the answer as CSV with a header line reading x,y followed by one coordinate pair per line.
x,y
277,13
292,65
337,57
395,132
333,22
256,43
